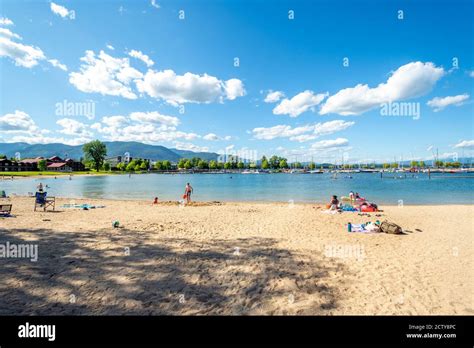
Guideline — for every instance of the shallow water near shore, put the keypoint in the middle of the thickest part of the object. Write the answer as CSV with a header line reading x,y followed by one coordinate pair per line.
x,y
393,188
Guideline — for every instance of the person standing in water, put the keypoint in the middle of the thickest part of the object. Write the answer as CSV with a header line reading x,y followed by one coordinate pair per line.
x,y
187,191
40,187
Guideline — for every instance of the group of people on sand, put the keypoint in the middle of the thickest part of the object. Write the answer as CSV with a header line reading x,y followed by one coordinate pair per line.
x,y
357,203
335,204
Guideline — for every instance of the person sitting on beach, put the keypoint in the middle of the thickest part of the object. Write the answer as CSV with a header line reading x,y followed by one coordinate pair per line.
x,y
334,205
187,191
155,201
351,196
357,196
40,187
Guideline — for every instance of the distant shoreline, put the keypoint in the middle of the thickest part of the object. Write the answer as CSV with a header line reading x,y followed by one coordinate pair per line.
x,y
47,174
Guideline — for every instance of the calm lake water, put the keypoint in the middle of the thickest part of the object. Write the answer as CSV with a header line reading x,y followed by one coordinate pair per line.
x,y
417,189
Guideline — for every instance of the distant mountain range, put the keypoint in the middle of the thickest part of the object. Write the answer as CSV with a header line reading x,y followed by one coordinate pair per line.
x,y
114,148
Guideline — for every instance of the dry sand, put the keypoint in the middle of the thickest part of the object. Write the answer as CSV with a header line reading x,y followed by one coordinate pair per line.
x,y
235,258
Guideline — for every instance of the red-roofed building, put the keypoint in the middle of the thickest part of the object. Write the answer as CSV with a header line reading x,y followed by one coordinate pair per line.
x,y
59,167
30,164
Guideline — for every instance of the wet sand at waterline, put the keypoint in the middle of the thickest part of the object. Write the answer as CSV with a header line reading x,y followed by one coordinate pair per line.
x,y
235,258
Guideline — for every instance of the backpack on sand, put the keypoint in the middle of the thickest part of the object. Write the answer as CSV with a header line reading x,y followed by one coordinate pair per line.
x,y
390,227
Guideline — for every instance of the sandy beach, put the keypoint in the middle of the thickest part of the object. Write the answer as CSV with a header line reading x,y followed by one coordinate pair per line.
x,y
235,258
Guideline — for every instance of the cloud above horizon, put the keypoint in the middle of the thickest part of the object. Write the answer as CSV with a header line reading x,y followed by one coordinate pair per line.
x,y
74,128
408,81
300,103
188,88
112,76
146,127
273,97
303,133
26,56
438,104
141,56
215,137
465,144
106,75
5,21
23,128
61,11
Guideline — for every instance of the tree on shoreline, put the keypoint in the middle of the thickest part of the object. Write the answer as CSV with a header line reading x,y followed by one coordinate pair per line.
x,y
95,152
42,165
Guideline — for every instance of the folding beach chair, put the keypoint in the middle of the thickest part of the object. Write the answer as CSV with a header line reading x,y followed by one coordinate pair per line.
x,y
43,202
5,209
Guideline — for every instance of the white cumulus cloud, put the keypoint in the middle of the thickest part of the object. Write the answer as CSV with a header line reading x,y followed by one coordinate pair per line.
x,y
141,56
57,64
273,97
18,121
73,127
300,103
215,137
154,117
146,127
465,144
439,104
188,88
23,55
408,81
5,21
106,75
7,33
234,88
302,133
331,127
326,144
60,10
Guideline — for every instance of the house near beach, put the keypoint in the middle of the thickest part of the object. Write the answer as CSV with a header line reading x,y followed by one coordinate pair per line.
x,y
54,163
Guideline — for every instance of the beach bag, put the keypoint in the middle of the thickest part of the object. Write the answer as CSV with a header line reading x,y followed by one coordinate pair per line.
x,y
390,227
184,196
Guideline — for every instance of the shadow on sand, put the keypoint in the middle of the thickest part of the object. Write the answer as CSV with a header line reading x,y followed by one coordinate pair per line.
x,y
119,271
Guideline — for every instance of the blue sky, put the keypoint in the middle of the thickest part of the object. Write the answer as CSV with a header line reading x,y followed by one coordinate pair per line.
x,y
311,86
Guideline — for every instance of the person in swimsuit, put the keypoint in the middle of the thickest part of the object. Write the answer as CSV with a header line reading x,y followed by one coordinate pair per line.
x,y
187,191
334,203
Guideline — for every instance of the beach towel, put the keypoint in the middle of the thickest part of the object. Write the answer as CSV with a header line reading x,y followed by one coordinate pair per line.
x,y
358,228
82,206
347,207
361,228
